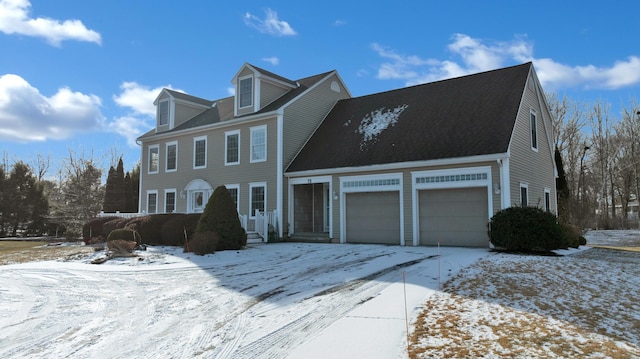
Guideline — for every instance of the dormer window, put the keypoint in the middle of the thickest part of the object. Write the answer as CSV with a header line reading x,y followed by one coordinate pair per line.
x,y
245,87
163,113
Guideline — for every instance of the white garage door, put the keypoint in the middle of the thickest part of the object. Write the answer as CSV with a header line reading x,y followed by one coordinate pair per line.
x,y
454,217
373,217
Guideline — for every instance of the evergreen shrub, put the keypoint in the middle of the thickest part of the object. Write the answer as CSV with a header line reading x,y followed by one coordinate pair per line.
x,y
203,243
149,227
525,229
221,217
172,231
124,234
94,228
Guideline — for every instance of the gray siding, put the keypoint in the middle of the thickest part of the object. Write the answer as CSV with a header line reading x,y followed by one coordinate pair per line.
x,y
215,173
303,117
269,92
536,169
184,113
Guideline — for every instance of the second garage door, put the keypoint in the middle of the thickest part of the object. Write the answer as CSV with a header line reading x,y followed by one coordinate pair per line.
x,y
373,217
454,217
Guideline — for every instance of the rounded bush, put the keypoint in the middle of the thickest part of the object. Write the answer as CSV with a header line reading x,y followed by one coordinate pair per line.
x,y
203,243
124,234
94,228
149,227
221,217
173,230
525,229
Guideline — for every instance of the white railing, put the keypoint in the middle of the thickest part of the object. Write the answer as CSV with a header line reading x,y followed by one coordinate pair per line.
x,y
263,221
243,221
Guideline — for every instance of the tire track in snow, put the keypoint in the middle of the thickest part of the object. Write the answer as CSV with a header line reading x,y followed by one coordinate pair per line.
x,y
324,308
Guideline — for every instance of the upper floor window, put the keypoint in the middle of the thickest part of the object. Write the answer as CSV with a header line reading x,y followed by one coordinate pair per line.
x,y
172,156
259,143
154,158
232,148
245,87
200,152
534,131
163,113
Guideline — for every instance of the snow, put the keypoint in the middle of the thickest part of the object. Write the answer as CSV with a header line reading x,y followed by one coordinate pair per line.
x,y
374,123
285,300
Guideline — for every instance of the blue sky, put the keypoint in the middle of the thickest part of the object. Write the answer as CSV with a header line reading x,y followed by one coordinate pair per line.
x,y
82,75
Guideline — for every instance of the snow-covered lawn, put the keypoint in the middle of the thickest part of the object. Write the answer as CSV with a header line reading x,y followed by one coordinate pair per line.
x,y
323,301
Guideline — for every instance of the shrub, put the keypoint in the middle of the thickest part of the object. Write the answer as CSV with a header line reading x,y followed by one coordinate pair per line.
x,y
125,234
116,223
571,236
173,230
94,228
220,216
203,243
149,227
525,228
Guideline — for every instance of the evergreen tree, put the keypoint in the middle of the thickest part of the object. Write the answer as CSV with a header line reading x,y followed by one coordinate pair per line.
x,y
4,203
26,204
109,205
131,188
562,189
119,188
221,217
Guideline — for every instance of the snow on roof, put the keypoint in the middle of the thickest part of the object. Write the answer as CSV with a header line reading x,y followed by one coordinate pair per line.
x,y
377,121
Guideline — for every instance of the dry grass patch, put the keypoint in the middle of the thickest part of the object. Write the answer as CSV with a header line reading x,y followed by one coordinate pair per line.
x,y
12,252
511,306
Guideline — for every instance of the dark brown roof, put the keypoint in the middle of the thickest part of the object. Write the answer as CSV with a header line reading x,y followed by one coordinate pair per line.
x,y
187,97
460,117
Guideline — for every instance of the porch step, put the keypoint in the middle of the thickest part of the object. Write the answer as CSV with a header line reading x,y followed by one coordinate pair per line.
x,y
254,237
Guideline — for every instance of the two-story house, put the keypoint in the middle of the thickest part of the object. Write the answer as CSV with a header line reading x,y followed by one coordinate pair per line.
x,y
243,142
420,165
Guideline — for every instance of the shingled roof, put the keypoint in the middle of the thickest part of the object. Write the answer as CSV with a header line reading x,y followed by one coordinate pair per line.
x,y
465,116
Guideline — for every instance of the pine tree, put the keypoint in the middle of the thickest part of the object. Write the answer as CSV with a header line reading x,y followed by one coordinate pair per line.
x,y
109,205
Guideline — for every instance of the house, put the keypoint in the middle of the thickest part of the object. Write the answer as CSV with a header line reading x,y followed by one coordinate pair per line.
x,y
419,165
243,142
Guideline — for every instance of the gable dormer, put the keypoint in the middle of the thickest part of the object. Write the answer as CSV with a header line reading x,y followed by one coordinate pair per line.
x,y
255,88
173,108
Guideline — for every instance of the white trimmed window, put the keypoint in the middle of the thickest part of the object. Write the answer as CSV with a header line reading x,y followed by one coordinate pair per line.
x,y
200,152
259,143
172,157
232,147
154,158
534,131
170,200
152,202
547,199
163,113
524,195
245,92
257,198
234,192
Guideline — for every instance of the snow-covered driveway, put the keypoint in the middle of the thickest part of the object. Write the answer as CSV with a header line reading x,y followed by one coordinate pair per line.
x,y
268,301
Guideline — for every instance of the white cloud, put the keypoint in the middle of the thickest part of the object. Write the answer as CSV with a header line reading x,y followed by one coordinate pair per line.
x,y
270,24
27,116
14,19
272,60
138,100
472,55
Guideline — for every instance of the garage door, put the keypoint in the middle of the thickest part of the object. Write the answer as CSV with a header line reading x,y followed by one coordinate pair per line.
x,y
454,217
373,217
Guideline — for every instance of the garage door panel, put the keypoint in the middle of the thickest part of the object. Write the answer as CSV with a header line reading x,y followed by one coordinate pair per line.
x,y
454,217
373,217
